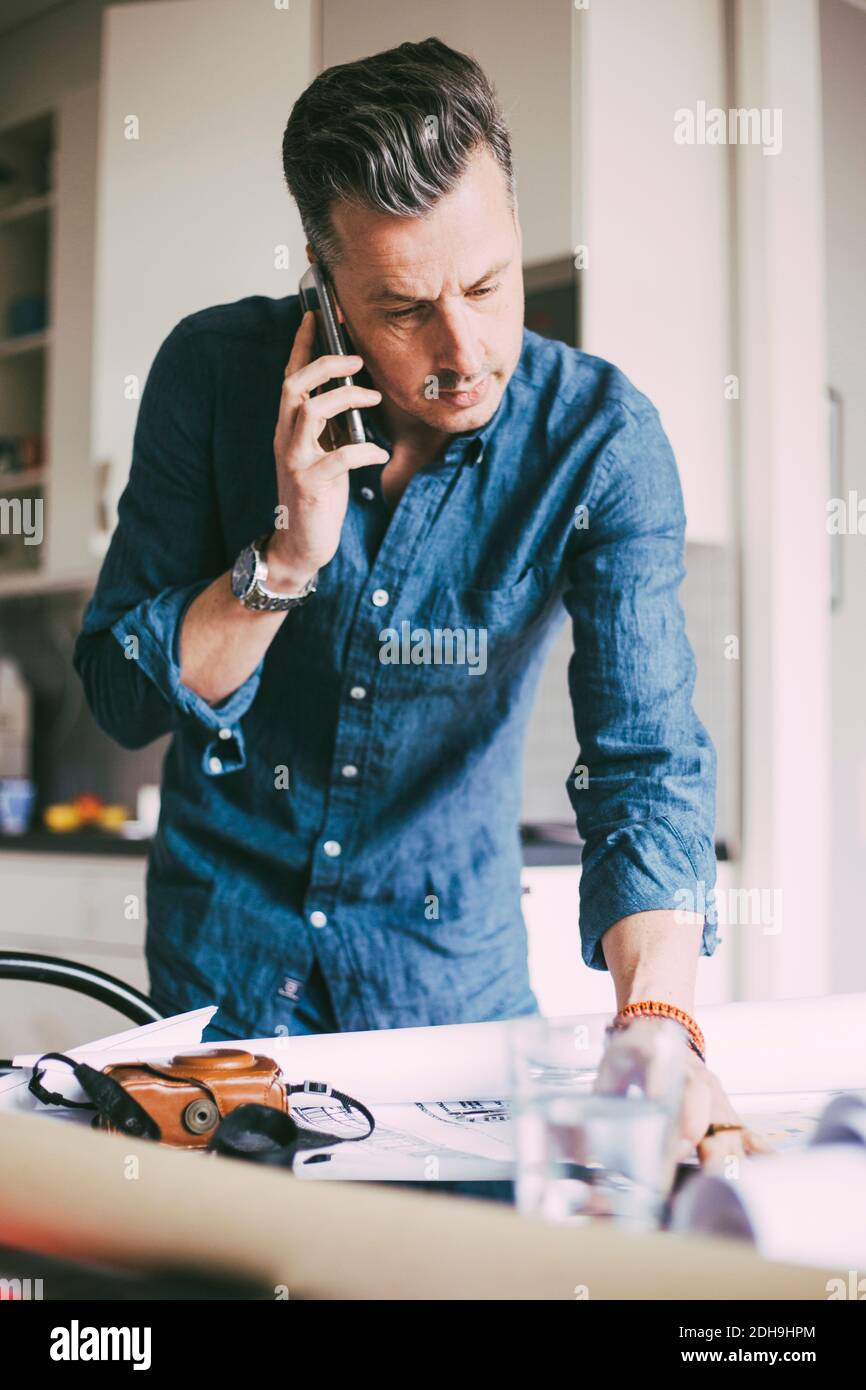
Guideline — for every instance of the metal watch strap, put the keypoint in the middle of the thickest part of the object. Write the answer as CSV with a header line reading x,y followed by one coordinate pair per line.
x,y
259,547
258,596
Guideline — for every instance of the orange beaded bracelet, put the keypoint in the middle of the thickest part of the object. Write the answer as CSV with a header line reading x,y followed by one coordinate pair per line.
x,y
658,1008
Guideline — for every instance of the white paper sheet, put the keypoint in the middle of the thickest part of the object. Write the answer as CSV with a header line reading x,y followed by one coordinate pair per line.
x,y
424,1142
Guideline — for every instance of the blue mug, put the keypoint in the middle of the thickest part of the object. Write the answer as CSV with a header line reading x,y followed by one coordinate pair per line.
x,y
17,797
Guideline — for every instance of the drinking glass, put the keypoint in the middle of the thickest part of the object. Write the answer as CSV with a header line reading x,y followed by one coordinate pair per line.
x,y
595,1142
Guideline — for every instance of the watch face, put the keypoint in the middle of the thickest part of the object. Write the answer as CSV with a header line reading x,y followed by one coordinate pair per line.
x,y
244,572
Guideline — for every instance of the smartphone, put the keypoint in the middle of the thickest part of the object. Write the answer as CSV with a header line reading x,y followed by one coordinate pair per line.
x,y
317,294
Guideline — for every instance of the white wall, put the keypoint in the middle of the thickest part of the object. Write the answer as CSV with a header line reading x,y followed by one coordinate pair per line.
x,y
784,470
526,50
843,42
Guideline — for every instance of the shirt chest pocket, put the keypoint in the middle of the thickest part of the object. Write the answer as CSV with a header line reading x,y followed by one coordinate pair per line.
x,y
507,610
479,629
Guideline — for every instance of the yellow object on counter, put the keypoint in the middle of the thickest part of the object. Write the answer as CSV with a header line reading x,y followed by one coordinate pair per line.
x,y
62,816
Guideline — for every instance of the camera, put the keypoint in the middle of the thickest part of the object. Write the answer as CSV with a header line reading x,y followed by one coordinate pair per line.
x,y
189,1096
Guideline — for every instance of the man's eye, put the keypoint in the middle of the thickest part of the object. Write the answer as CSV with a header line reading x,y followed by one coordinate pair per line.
x,y
481,293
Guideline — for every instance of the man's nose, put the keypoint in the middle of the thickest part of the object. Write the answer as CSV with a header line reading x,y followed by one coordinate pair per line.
x,y
458,349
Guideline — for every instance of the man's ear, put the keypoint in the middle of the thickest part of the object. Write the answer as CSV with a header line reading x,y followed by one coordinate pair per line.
x,y
311,255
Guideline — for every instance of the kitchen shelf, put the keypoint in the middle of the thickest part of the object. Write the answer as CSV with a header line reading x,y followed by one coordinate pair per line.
x,y
27,342
20,482
74,842
23,583
35,206
47,240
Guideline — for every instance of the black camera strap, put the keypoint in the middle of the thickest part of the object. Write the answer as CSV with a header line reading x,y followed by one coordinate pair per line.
x,y
257,1133
107,1097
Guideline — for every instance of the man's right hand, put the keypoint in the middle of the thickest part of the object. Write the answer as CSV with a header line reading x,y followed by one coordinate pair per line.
x,y
221,641
313,481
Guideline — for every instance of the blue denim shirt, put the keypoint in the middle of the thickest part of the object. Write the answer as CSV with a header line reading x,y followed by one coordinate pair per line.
x,y
355,803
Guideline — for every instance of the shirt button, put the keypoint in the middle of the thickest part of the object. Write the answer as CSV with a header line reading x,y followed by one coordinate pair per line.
x,y
332,848
367,494
318,919
357,692
215,764
225,733
349,770
380,597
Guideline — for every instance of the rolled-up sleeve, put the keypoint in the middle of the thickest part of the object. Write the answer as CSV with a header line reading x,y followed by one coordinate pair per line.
x,y
644,787
167,547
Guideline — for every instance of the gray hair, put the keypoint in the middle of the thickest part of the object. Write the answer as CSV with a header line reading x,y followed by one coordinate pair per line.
x,y
393,133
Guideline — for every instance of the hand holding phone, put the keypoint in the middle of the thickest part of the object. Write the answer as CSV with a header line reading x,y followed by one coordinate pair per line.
x,y
313,481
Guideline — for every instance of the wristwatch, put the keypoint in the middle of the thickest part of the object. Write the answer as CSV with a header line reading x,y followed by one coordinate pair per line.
x,y
249,577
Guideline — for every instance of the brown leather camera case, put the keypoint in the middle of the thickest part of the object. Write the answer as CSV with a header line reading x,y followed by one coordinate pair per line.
x,y
189,1096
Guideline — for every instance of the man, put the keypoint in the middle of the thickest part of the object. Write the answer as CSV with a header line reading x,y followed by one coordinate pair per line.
x,y
345,641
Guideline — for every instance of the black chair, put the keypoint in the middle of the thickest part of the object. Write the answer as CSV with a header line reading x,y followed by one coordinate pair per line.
x,y
83,979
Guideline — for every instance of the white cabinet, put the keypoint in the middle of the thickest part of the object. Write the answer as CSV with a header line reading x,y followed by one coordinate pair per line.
x,y
193,207
561,981
88,909
563,984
